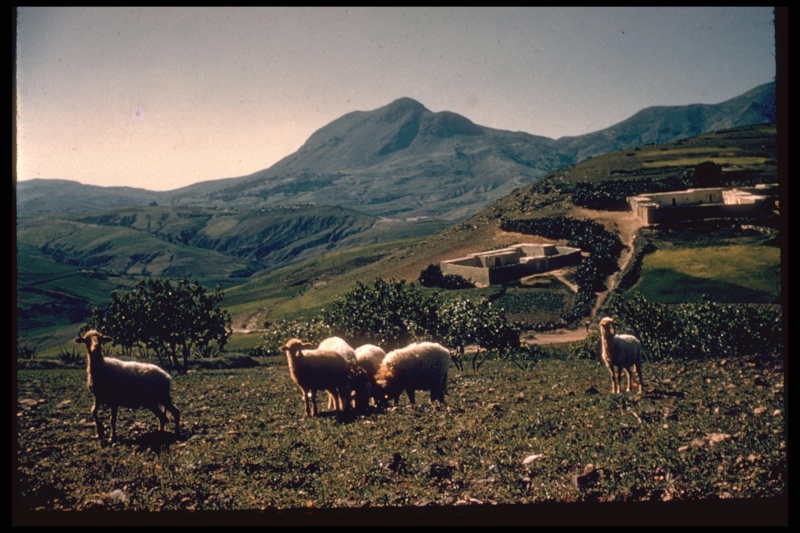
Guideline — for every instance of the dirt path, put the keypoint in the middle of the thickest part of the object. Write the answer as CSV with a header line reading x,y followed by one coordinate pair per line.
x,y
623,223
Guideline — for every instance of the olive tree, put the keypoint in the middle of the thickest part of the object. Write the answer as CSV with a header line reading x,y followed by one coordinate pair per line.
x,y
171,319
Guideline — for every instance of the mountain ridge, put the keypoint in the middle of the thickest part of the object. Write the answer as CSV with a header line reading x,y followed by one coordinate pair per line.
x,y
403,160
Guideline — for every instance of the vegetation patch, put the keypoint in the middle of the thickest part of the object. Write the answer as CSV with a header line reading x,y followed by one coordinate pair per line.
x,y
743,274
724,161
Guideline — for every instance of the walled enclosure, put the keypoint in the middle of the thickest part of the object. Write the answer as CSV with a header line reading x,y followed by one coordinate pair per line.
x,y
703,203
508,264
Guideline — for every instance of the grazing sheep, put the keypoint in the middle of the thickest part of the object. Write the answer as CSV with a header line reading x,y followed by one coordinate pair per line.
x,y
315,370
340,346
620,352
368,360
130,384
418,366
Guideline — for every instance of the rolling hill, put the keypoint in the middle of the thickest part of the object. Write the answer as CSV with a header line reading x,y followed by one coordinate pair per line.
x,y
276,260
746,153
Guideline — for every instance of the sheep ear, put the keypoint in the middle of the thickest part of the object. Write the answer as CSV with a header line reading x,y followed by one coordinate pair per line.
x,y
80,340
307,346
104,339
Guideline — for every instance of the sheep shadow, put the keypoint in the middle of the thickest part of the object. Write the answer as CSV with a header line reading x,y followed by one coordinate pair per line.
x,y
659,394
155,441
351,415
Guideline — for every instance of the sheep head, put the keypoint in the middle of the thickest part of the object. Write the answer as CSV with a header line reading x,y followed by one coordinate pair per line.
x,y
93,340
607,326
294,347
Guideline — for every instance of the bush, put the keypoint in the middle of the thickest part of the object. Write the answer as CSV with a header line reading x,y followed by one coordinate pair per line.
x,y
26,352
70,357
169,319
432,277
699,330
274,338
388,313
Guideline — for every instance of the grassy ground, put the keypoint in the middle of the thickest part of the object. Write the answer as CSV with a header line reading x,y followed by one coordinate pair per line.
x,y
704,435
731,274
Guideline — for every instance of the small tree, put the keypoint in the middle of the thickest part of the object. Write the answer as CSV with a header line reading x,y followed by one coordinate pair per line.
x,y
278,332
463,322
169,319
432,276
388,313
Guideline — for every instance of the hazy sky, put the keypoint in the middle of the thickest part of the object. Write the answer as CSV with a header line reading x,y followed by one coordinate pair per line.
x,y
159,98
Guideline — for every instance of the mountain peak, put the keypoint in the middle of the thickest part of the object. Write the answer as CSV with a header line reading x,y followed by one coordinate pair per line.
x,y
402,108
406,103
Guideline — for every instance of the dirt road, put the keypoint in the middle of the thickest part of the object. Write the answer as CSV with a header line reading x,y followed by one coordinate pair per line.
x,y
625,224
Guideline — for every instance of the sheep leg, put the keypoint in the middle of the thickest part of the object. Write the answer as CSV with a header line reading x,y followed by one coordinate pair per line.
x,y
617,380
306,402
345,393
613,379
97,422
162,416
313,402
638,368
437,395
114,410
628,375
411,397
176,415
333,400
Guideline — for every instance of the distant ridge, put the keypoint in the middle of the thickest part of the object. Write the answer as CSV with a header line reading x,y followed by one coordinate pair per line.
x,y
405,161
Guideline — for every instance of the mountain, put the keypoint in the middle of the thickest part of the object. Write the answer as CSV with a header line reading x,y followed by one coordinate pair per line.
x,y
284,260
662,124
54,195
400,161
405,161
747,154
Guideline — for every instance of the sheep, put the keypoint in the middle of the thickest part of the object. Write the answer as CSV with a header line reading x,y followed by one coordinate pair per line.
x,y
369,357
315,370
340,346
132,384
368,361
620,352
418,366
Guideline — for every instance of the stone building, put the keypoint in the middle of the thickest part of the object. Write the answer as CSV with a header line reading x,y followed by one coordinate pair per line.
x,y
713,202
508,264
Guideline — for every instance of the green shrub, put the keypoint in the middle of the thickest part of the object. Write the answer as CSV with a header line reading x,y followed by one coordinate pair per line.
x,y
699,330
71,357
274,338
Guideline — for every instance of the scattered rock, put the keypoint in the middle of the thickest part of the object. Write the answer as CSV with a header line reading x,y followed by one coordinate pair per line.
x,y
532,458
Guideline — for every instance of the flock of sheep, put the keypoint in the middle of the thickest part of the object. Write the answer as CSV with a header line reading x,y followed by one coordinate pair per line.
x,y
353,378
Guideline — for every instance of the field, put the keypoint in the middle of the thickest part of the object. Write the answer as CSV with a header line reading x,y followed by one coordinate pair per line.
x,y
705,444
730,274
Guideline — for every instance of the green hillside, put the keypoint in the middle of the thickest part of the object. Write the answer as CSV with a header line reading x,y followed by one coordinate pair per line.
x,y
291,262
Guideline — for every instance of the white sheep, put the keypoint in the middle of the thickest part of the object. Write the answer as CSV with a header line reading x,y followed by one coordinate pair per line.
x,y
340,346
418,366
343,348
315,370
368,359
620,352
130,384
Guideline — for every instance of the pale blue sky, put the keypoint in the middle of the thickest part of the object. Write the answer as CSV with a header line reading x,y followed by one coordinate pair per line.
x,y
160,98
